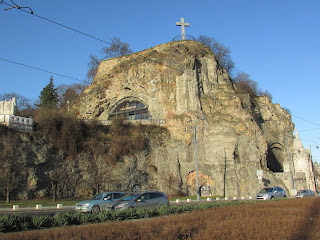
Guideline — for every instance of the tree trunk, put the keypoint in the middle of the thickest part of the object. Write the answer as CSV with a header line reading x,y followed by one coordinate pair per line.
x,y
8,194
54,192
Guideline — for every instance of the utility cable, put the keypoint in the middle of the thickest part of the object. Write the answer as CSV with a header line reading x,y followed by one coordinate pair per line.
x,y
305,130
15,6
83,33
54,22
40,69
306,120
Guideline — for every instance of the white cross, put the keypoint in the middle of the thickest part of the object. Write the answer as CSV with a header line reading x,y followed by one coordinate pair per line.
x,y
182,24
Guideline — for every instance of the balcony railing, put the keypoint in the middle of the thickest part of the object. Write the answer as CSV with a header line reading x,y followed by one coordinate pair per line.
x,y
187,37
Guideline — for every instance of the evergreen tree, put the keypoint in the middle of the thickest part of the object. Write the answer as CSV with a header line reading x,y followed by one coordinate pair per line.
x,y
48,96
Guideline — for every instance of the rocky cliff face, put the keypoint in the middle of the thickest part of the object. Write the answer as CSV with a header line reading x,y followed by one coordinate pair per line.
x,y
185,90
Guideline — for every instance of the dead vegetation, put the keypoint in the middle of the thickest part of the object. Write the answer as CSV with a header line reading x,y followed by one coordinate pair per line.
x,y
72,136
286,219
61,141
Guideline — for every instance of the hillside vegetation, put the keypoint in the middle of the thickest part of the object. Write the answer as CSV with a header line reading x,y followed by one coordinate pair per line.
x,y
66,157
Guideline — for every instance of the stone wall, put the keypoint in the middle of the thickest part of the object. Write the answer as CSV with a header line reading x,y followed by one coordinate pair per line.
x,y
8,107
8,118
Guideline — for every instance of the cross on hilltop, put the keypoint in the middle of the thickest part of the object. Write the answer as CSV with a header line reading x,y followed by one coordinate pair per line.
x,y
182,24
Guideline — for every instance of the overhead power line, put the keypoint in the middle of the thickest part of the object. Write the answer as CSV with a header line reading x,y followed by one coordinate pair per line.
x,y
15,6
40,69
78,31
306,120
54,22
305,130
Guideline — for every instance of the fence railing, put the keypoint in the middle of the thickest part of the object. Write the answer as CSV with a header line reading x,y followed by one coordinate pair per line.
x,y
187,37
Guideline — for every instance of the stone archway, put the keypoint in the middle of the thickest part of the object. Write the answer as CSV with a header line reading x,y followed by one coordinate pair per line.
x,y
205,190
130,108
275,157
206,184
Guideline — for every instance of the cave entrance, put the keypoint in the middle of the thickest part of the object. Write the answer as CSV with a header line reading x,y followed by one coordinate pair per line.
x,y
275,157
130,109
205,190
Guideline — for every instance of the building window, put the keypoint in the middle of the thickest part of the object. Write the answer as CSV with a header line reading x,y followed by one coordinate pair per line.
x,y
130,110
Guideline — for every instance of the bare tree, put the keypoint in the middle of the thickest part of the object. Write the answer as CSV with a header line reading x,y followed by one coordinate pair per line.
x,y
98,169
93,66
11,163
22,102
117,48
172,183
69,93
244,84
221,52
57,176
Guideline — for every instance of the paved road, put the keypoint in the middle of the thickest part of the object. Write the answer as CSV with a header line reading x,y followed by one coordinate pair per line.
x,y
34,211
69,209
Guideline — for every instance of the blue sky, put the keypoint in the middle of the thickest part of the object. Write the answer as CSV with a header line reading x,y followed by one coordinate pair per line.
x,y
276,42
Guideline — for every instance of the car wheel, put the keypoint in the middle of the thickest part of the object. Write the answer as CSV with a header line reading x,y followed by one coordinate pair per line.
x,y
95,209
271,197
284,196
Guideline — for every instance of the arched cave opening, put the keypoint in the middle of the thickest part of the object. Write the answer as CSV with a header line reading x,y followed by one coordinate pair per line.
x,y
273,162
130,109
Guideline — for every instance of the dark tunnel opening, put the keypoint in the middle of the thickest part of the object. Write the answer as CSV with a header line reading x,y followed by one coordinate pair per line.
x,y
272,162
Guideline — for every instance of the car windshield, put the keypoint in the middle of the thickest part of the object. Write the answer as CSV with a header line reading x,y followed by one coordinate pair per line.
x,y
129,197
98,196
303,191
266,190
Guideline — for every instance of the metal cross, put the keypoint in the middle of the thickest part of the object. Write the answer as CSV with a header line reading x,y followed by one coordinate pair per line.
x,y
182,24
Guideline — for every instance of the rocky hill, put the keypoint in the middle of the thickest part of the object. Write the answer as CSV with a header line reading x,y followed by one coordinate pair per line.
x,y
182,87
169,96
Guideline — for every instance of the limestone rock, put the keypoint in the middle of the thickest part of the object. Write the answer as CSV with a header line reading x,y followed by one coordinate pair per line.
x,y
182,84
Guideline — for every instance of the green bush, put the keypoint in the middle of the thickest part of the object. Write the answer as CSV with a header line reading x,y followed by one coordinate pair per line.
x,y
164,210
9,223
61,219
85,218
127,214
39,222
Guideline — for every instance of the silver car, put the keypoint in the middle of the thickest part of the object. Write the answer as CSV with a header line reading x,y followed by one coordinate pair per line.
x,y
98,202
305,193
271,193
140,199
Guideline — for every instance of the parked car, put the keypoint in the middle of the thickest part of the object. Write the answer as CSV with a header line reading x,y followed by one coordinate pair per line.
x,y
271,193
98,202
140,199
305,193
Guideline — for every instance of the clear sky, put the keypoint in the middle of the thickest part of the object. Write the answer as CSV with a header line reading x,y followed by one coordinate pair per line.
x,y
276,42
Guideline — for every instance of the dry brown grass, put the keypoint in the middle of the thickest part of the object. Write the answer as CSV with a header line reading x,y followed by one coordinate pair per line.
x,y
287,219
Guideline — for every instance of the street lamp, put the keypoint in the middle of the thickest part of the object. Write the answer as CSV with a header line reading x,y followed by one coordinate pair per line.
x,y
196,157
293,191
